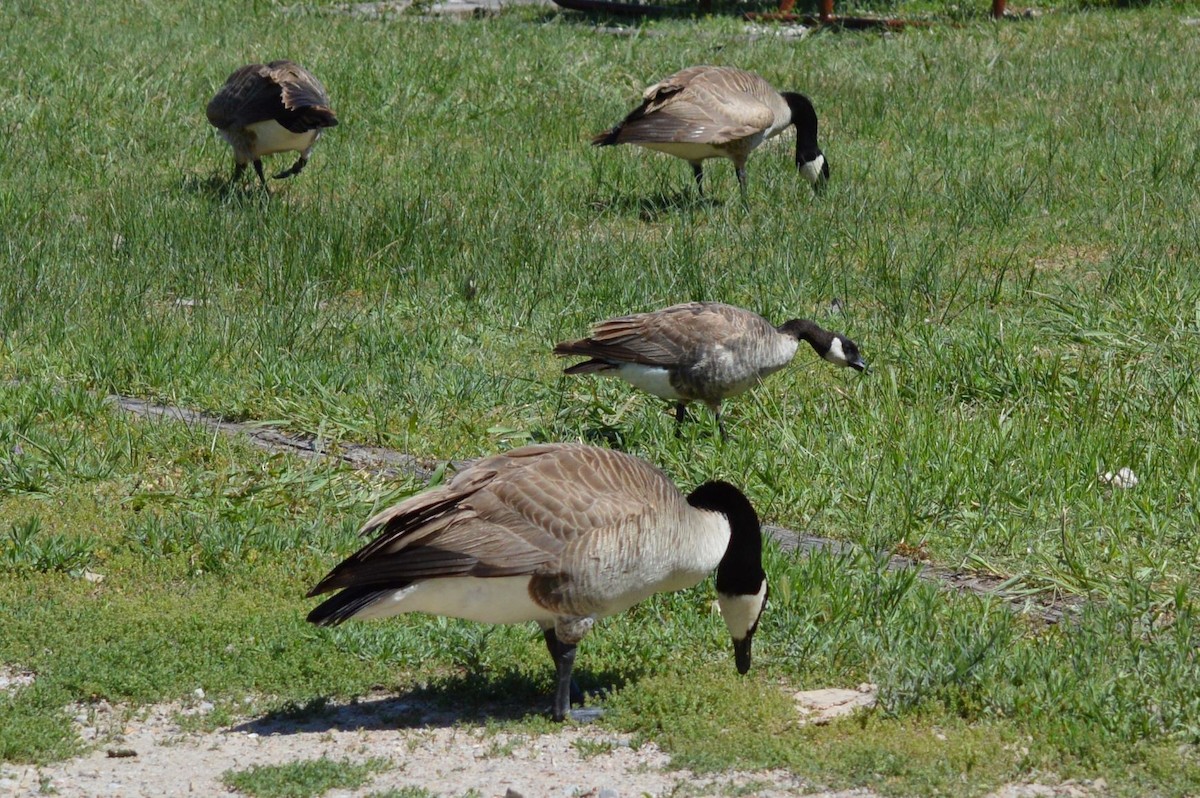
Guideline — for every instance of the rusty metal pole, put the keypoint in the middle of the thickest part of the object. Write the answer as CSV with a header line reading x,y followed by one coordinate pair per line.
x,y
827,11
998,9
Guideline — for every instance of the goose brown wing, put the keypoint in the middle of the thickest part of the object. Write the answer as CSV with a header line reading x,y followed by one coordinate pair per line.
x,y
300,88
248,96
674,336
281,90
698,104
507,515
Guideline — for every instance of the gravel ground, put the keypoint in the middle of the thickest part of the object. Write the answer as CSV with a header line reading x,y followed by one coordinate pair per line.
x,y
151,751
149,754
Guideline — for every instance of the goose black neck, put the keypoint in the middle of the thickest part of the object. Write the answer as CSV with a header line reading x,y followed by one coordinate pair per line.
x,y
740,572
804,117
818,338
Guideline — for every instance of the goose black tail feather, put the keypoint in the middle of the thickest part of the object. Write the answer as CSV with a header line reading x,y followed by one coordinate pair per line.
x,y
607,138
589,367
345,605
306,119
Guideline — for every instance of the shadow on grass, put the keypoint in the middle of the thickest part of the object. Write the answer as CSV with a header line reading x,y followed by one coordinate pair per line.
x,y
220,187
653,207
506,696
604,435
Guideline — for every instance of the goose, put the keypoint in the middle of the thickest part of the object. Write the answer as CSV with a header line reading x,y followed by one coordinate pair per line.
x,y
700,351
268,108
560,534
720,112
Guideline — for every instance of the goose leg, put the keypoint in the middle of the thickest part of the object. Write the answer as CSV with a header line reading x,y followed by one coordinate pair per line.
x,y
238,170
565,688
741,176
562,689
259,169
698,173
720,424
680,416
556,648
297,167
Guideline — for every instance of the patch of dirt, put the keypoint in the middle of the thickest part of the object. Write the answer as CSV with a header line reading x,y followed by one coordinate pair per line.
x,y
148,753
1071,258
11,679
1068,789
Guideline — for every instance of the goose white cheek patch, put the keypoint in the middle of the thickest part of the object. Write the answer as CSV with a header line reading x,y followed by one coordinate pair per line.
x,y
741,612
812,169
836,354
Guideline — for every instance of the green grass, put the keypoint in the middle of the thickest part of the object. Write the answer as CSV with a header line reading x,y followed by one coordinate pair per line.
x,y
404,792
1011,229
307,779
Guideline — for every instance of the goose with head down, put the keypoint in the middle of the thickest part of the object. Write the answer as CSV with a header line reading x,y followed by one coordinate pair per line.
x,y
707,112
267,108
559,534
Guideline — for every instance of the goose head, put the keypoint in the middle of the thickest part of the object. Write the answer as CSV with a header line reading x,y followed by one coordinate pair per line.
x,y
741,580
844,352
834,347
809,158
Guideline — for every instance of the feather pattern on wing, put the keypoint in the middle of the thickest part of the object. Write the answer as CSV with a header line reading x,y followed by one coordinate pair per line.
x,y
679,335
512,514
702,104
281,90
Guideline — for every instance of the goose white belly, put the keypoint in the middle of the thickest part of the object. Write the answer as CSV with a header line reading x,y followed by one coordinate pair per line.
x,y
688,151
270,137
503,599
654,380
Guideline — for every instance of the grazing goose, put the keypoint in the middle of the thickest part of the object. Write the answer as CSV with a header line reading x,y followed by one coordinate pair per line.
x,y
720,112
560,534
704,351
268,108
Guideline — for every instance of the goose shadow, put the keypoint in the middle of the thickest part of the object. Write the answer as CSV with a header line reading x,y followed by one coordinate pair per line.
x,y
651,208
219,187
449,701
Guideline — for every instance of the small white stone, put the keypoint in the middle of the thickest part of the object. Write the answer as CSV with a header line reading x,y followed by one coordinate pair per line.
x,y
1124,478
198,692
